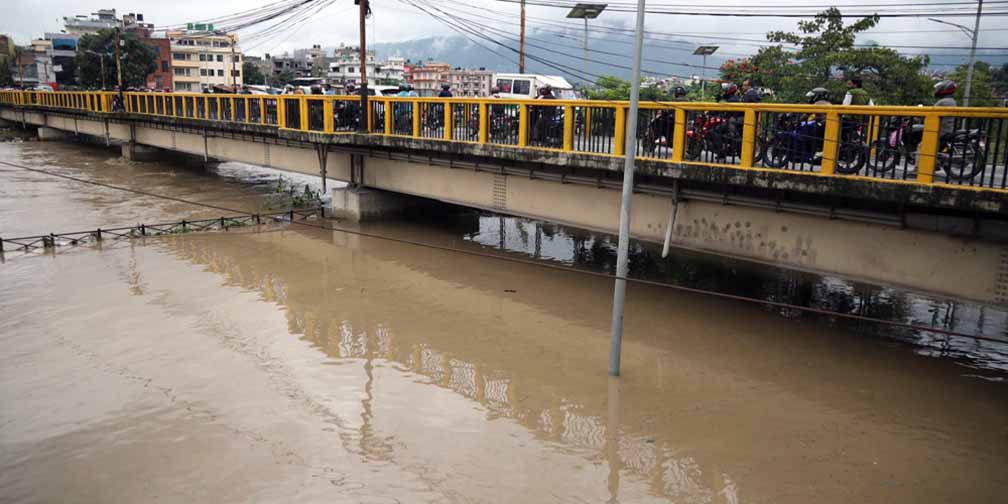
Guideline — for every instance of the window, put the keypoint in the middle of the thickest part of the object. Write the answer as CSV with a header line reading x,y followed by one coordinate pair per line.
x,y
237,58
164,66
351,70
220,73
235,73
202,57
220,58
203,71
522,87
179,56
182,72
504,85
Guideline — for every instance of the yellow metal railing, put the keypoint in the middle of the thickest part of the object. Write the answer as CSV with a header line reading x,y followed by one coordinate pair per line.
x,y
961,146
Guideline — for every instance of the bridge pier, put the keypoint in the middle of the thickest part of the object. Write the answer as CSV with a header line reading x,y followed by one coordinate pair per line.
x,y
46,134
359,204
136,152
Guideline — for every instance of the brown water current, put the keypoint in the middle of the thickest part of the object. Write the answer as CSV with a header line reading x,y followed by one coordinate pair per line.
x,y
305,365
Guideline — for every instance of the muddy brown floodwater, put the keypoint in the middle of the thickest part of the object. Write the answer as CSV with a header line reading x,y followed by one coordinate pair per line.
x,y
308,365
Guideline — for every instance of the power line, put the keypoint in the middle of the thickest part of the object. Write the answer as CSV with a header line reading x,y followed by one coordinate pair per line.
x,y
782,14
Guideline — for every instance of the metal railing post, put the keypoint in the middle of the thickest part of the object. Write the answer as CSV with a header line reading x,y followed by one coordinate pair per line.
x,y
748,138
328,111
415,104
928,149
483,123
389,111
679,140
522,125
447,120
831,140
303,113
620,133
568,128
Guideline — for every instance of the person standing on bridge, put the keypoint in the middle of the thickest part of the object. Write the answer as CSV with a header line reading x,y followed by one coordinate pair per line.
x,y
749,93
856,94
445,91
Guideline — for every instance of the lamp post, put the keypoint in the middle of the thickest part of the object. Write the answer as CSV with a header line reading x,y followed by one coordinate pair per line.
x,y
704,51
973,34
586,11
630,152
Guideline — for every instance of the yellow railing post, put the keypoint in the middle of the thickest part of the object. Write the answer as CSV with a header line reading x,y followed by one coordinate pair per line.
x,y
389,111
748,138
588,121
328,111
281,112
370,116
679,140
303,113
262,110
568,131
523,125
928,149
483,122
416,118
247,106
619,142
831,140
447,120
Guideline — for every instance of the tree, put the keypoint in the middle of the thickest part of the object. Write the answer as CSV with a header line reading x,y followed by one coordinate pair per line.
x,y
6,79
982,91
283,79
608,87
823,55
138,59
251,74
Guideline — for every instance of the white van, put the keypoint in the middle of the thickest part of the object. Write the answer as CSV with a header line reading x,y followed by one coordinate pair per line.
x,y
526,86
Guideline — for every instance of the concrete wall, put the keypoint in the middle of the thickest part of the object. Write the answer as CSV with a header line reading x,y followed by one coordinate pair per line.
x,y
926,261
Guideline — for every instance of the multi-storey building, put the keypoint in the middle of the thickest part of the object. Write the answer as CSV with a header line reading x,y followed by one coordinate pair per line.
x,y
203,60
391,70
81,24
345,66
428,78
470,82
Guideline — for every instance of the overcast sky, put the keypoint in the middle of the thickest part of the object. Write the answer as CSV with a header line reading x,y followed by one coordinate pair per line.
x,y
395,21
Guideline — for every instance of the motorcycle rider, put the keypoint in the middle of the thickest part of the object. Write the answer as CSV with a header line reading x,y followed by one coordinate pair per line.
x,y
856,94
544,117
725,136
749,93
445,91
945,92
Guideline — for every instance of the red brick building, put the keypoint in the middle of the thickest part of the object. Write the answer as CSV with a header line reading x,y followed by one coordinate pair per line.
x,y
161,78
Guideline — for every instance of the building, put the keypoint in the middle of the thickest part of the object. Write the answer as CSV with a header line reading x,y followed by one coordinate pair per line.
x,y
8,51
45,71
470,82
345,66
428,78
101,20
391,71
298,67
25,71
201,60
316,63
64,57
162,77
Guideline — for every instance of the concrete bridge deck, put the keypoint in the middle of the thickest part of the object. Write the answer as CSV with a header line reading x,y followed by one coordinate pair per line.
x,y
927,231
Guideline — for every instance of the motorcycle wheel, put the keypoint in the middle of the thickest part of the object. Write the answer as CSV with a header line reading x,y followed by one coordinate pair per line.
x,y
965,161
776,154
887,158
850,159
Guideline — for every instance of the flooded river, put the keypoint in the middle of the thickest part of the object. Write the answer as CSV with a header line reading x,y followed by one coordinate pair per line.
x,y
298,364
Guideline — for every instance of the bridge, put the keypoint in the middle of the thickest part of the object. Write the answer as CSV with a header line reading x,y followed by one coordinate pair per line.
x,y
908,196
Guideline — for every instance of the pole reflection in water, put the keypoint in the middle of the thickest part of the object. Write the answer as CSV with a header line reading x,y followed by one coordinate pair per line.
x,y
417,375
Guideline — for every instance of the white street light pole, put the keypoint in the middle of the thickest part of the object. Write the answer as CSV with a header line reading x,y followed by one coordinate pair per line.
x,y
973,34
623,255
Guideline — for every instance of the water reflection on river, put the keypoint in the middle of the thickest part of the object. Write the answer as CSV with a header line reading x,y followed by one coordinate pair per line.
x,y
304,365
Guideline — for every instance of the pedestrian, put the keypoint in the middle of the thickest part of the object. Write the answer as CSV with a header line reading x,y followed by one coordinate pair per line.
x,y
749,93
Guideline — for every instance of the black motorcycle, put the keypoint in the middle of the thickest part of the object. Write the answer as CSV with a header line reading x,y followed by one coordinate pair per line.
x,y
961,154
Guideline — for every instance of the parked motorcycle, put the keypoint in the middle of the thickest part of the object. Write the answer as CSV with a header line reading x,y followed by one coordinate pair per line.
x,y
961,154
799,139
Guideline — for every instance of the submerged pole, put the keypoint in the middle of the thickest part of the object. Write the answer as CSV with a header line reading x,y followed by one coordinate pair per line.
x,y
622,257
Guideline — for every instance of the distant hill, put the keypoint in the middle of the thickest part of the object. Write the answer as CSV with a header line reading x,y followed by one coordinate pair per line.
x,y
667,57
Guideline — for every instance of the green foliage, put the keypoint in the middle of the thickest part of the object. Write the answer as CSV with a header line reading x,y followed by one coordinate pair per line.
x,y
283,79
825,57
252,75
609,87
982,91
6,78
138,59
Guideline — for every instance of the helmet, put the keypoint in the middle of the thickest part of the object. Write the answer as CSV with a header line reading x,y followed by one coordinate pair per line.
x,y
729,88
350,87
944,88
817,94
546,89
446,86
679,91
403,87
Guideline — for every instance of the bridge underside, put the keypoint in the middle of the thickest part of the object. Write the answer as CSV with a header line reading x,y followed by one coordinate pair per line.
x,y
927,239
